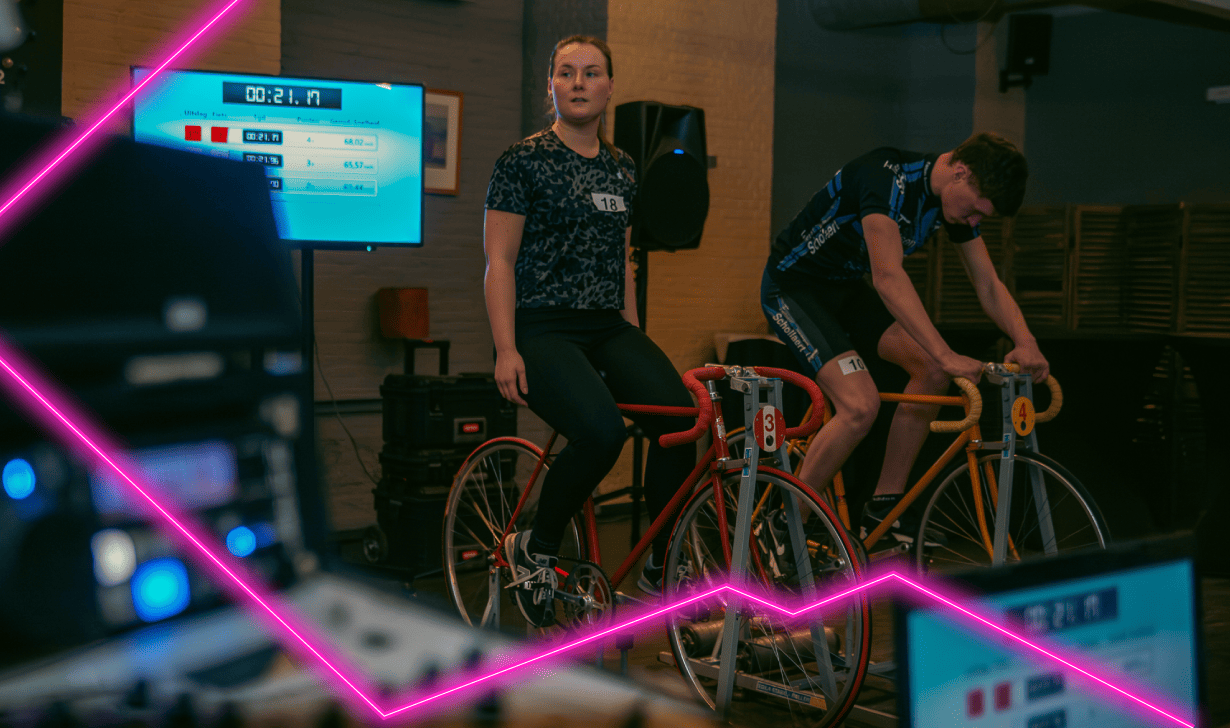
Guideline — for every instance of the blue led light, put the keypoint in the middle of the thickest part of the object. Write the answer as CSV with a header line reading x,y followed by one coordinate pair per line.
x,y
678,151
160,589
18,479
241,541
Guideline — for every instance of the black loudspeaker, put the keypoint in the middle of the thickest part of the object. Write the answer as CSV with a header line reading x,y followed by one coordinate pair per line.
x,y
1029,44
668,145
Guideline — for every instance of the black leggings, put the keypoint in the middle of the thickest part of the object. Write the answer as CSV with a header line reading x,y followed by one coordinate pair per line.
x,y
563,353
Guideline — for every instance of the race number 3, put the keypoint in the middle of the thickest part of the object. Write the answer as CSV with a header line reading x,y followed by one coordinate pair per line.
x,y
609,203
768,427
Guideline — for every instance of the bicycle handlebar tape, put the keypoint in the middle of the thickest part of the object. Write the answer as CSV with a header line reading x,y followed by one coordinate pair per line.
x,y
813,391
1056,395
1056,401
692,380
971,415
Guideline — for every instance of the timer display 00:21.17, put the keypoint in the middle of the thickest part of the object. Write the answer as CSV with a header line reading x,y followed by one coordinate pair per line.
x,y
266,94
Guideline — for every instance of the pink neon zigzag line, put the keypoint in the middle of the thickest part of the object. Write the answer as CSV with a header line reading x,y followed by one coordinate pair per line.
x,y
970,615
93,128
207,555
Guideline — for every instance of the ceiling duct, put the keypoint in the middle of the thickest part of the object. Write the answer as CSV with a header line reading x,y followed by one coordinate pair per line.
x,y
853,14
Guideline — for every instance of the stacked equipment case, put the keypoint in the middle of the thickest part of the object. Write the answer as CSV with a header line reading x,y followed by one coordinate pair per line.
x,y
430,425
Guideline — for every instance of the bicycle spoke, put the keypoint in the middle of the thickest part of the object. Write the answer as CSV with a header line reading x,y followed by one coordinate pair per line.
x,y
478,514
488,518
775,651
478,542
1073,517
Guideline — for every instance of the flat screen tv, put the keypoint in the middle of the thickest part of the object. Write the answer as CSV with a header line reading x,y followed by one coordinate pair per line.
x,y
343,159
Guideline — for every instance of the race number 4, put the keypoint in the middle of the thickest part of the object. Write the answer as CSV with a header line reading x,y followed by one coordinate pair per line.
x,y
1023,416
609,203
768,428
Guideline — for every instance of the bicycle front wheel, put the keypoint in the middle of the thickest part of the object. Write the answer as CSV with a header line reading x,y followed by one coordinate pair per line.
x,y
480,505
813,664
1050,513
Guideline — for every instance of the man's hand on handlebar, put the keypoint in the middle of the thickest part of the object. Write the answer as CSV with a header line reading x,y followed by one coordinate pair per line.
x,y
962,366
1031,361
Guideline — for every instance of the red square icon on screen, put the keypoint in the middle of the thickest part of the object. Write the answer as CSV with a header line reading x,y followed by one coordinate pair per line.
x,y
1003,696
217,134
192,133
975,703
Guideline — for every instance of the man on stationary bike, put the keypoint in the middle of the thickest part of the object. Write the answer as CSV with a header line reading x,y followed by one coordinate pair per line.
x,y
856,231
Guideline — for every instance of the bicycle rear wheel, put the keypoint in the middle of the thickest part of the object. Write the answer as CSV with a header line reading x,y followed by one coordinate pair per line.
x,y
480,504
815,663
1058,498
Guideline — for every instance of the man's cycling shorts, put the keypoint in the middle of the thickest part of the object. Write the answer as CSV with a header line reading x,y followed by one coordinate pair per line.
x,y
824,319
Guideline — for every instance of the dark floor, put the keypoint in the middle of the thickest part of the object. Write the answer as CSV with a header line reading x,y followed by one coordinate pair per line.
x,y
644,663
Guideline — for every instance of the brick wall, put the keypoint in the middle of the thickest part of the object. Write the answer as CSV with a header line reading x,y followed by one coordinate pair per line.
x,y
717,55
463,47
471,47
102,38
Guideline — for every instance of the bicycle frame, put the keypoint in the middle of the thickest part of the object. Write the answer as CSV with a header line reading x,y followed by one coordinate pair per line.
x,y
593,549
736,551
965,439
971,440
715,463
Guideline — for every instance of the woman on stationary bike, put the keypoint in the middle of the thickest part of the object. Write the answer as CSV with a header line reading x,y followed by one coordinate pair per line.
x,y
561,301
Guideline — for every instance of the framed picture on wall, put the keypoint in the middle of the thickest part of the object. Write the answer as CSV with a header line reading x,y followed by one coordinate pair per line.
x,y
441,141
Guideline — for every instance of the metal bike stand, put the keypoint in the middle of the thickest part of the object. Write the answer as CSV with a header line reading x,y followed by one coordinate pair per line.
x,y
798,541
752,388
1045,525
725,649
491,613
803,566
1019,385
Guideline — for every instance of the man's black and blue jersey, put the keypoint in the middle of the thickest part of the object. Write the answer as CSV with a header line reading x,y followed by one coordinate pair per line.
x,y
825,241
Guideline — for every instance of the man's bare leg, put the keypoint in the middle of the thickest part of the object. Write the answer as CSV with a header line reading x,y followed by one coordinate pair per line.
x,y
855,401
911,422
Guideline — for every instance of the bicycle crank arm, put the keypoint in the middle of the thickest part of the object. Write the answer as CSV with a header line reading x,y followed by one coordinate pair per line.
x,y
563,596
578,600
901,548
